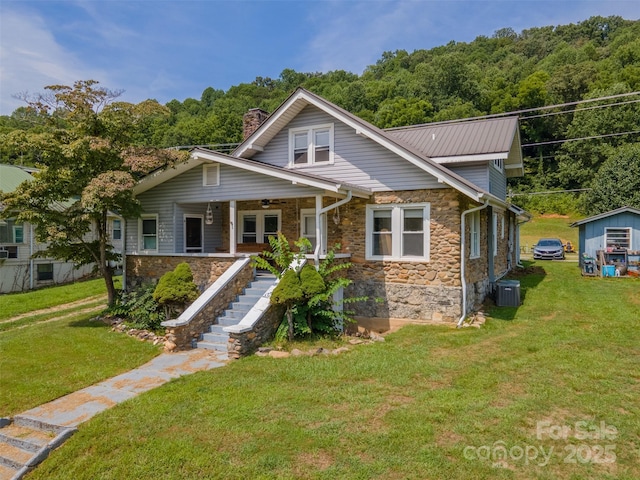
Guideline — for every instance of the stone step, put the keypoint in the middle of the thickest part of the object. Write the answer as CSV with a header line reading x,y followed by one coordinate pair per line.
x,y
230,320
26,438
215,337
219,347
234,315
7,473
14,457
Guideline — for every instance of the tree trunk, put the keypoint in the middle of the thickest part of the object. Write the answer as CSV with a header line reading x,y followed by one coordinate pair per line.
x,y
105,270
290,321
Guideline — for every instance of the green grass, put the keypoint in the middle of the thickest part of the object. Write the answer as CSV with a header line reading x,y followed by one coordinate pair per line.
x,y
15,304
542,226
44,361
408,408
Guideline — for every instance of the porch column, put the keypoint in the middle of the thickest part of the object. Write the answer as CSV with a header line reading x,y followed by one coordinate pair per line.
x,y
318,229
232,227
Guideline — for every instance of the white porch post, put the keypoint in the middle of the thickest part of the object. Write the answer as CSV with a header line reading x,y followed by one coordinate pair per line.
x,y
232,227
318,229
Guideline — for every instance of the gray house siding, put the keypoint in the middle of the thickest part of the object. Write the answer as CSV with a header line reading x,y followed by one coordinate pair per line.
x,y
477,174
592,234
497,182
357,160
185,194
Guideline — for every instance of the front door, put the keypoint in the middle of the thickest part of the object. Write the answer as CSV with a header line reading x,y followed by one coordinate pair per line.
x,y
193,234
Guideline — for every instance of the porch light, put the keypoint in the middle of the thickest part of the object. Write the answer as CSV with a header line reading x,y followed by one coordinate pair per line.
x,y
265,203
208,218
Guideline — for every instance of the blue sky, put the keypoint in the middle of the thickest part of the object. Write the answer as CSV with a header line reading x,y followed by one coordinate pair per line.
x,y
176,49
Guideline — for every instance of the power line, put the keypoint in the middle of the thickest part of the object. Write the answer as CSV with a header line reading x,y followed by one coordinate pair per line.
x,y
549,192
579,109
552,142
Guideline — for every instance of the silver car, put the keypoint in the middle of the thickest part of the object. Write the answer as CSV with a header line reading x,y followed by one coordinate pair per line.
x,y
548,249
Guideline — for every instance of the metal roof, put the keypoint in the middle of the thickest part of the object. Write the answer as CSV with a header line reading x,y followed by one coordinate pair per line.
x,y
494,135
12,176
606,214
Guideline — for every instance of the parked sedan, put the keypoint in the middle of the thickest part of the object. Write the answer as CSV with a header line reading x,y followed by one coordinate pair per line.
x,y
548,249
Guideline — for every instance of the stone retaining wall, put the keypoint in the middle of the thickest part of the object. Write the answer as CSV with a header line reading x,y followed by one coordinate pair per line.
x,y
149,268
242,344
182,337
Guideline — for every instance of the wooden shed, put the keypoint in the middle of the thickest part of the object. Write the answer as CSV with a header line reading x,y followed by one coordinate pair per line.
x,y
611,238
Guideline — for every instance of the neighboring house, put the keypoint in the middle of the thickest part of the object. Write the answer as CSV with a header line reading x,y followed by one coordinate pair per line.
x,y
19,270
420,212
611,231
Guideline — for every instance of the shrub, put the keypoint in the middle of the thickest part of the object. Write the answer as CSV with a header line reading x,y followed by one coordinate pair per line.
x,y
139,308
175,289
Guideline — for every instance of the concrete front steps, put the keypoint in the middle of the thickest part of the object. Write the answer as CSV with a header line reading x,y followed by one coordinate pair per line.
x,y
216,338
24,443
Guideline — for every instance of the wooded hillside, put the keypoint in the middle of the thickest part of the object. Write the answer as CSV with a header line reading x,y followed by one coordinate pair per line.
x,y
599,57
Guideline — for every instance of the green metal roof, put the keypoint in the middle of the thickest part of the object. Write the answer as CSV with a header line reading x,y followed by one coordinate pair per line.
x,y
12,176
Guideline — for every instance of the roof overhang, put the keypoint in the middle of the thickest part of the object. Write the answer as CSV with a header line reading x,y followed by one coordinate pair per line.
x,y
200,156
302,98
605,215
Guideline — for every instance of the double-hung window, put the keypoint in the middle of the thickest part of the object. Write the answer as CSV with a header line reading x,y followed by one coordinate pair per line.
x,y
398,231
311,145
257,226
148,226
116,229
474,229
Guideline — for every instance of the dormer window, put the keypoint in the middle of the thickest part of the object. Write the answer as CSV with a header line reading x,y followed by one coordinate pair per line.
x,y
311,145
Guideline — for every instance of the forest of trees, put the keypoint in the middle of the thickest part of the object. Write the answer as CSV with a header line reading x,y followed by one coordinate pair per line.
x,y
508,72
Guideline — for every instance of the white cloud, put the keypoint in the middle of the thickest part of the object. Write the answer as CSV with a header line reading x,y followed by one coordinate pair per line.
x,y
31,59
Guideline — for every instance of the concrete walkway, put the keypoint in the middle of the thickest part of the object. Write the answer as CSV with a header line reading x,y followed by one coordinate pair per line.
x,y
62,415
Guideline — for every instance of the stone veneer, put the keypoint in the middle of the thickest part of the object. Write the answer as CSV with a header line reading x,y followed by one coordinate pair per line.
x,y
206,270
245,343
428,291
149,268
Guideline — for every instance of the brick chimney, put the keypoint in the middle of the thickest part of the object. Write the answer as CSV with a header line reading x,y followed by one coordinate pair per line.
x,y
252,120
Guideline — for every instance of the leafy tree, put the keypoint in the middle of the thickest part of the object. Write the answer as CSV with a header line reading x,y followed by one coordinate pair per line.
x,y
88,165
617,183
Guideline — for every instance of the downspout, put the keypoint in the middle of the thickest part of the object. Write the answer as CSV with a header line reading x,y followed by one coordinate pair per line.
x,y
124,254
30,256
463,246
319,212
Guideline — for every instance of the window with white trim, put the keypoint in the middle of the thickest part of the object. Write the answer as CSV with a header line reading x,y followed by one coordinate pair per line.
x,y
11,232
211,175
257,226
148,228
498,163
311,145
398,231
116,229
474,234
617,238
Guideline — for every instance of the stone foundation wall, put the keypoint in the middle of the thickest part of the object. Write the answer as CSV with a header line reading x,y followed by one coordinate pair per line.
x,y
149,268
243,344
183,336
413,290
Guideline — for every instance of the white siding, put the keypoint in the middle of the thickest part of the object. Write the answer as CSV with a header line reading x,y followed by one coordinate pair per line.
x,y
357,160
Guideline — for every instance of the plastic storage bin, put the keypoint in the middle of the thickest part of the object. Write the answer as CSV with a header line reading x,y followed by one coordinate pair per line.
x,y
608,270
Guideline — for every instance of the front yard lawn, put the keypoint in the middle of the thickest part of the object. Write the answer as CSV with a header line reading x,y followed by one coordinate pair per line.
x,y
550,390
43,361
